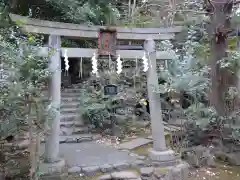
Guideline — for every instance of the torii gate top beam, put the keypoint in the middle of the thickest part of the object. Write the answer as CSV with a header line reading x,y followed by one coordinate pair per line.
x,y
81,31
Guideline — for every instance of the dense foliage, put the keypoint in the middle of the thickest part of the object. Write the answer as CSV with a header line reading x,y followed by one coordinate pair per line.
x,y
23,77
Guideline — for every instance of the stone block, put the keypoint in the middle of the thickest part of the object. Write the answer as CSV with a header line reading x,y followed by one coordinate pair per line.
x,y
160,173
55,176
179,172
184,169
233,158
137,164
90,170
74,169
121,166
176,173
125,175
106,168
146,171
120,175
162,157
48,168
105,177
199,156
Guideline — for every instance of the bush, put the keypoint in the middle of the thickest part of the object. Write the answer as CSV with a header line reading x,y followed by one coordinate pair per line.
x,y
23,78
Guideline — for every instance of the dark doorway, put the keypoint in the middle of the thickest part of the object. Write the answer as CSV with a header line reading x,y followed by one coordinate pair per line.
x,y
72,75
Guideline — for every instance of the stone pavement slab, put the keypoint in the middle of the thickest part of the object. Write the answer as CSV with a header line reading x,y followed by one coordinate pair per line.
x,y
135,143
92,154
120,175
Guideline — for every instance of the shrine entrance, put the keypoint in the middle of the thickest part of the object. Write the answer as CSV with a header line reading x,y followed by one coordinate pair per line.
x,y
74,75
108,38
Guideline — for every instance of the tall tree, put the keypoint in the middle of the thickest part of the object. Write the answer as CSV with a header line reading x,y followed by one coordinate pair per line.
x,y
219,12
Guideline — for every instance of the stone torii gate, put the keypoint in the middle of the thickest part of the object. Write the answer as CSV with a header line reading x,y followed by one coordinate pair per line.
x,y
159,153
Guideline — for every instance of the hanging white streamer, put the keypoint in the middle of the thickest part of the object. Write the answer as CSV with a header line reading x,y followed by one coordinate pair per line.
x,y
66,60
80,68
94,65
145,62
119,65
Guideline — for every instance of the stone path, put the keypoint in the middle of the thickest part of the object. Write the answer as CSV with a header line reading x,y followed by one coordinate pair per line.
x,y
87,154
120,175
135,143
91,157
91,154
179,171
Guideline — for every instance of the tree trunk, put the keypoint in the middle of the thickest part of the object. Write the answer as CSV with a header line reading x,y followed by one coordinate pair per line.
x,y
217,88
13,5
219,11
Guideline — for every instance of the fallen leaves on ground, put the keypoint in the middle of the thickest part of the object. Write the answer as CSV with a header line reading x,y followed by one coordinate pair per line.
x,y
222,172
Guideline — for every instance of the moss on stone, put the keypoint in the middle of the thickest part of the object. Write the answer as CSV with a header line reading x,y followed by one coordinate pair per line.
x,y
161,170
136,170
143,149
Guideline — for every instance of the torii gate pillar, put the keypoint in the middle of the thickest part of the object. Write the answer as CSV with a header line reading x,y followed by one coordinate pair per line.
x,y
52,162
159,154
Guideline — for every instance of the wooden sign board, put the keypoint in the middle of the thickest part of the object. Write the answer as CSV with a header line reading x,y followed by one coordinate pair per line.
x,y
110,90
107,42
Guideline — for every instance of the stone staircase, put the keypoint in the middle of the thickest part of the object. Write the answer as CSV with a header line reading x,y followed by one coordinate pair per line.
x,y
72,127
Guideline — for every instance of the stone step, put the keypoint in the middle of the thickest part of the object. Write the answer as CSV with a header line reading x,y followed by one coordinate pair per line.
x,y
78,138
70,90
65,100
69,99
65,110
70,104
69,117
70,94
66,95
78,123
65,116
68,131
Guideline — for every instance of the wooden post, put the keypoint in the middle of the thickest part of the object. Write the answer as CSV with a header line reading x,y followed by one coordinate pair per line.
x,y
159,153
52,143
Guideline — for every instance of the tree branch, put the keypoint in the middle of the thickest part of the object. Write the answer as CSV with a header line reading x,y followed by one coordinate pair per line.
x,y
236,2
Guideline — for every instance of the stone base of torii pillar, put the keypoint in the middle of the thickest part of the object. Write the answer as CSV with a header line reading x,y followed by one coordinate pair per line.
x,y
51,167
162,158
159,154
